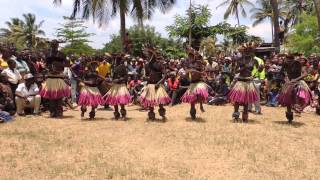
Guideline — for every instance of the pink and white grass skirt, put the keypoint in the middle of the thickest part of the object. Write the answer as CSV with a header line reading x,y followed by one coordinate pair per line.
x,y
55,88
197,92
90,96
118,95
243,92
151,96
296,95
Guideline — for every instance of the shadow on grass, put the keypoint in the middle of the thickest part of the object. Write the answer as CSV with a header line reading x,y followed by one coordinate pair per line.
x,y
293,124
197,120
157,120
105,109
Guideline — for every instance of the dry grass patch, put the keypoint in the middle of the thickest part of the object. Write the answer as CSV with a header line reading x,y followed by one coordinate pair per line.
x,y
213,148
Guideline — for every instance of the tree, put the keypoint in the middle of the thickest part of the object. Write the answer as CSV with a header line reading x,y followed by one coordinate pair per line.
x,y
305,38
73,32
264,12
317,9
169,47
276,27
200,17
103,10
208,46
25,32
234,6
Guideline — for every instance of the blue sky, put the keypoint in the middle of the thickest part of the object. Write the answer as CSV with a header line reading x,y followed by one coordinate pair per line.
x,y
52,15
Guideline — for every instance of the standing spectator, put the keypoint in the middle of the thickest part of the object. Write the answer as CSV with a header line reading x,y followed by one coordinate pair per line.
x,y
3,63
21,64
173,85
13,75
27,96
104,69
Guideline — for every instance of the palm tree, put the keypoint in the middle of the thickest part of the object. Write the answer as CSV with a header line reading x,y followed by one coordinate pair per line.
x,y
264,12
23,32
276,27
234,6
103,10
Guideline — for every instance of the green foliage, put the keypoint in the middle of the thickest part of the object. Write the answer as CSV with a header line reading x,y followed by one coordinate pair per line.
x,y
24,33
73,32
78,48
305,37
200,17
138,36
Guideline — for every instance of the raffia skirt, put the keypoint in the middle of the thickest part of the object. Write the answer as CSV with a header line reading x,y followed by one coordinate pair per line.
x,y
55,88
151,96
197,92
118,95
90,96
243,92
296,95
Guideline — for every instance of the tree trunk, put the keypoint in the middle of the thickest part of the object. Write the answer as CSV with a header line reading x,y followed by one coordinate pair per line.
x,y
276,28
272,33
237,15
316,4
190,26
123,22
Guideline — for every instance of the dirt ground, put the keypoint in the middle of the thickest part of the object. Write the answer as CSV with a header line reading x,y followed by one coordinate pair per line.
x,y
212,148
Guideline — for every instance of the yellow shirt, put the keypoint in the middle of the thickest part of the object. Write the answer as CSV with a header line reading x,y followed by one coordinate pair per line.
x,y
3,63
104,69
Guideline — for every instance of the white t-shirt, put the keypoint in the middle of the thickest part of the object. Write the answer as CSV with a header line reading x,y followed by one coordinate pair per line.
x,y
13,76
24,92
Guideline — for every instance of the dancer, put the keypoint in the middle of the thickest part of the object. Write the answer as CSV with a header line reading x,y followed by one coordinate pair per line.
x,y
295,94
54,87
154,94
243,91
89,93
198,90
119,94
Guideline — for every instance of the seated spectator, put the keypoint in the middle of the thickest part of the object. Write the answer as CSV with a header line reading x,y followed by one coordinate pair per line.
x,y
27,96
6,96
12,75
3,63
220,93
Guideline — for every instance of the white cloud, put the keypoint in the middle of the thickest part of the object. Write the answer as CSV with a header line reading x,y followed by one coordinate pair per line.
x,y
45,10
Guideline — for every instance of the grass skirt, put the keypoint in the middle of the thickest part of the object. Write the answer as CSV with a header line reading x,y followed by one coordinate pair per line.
x,y
296,95
151,96
243,93
55,88
197,92
90,96
118,95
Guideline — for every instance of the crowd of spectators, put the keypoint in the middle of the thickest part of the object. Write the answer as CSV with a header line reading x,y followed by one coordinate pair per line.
x,y
21,75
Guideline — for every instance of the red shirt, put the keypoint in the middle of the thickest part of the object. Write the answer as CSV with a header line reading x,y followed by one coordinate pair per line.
x,y
173,85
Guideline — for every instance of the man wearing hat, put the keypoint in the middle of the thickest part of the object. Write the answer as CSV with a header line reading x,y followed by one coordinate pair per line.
x,y
27,95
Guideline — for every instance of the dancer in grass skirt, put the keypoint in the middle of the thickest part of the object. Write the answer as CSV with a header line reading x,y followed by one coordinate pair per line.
x,y
89,93
54,87
295,94
243,91
154,93
198,90
119,95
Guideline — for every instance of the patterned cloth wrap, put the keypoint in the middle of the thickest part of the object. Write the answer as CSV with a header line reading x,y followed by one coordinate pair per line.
x,y
90,96
55,88
5,117
243,92
296,95
197,92
118,95
152,96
